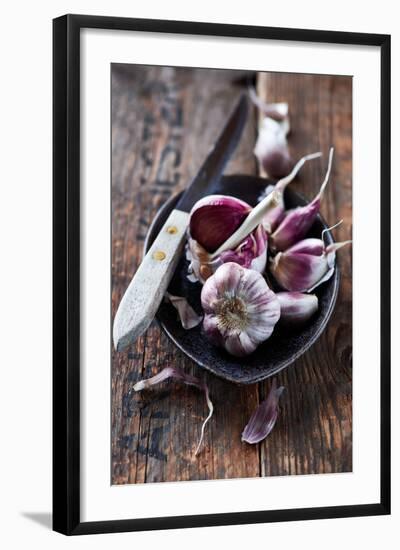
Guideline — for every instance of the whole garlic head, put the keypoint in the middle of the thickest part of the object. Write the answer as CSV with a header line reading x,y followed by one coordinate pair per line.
x,y
240,309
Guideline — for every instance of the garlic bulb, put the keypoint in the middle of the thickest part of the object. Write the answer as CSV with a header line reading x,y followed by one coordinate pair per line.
x,y
296,307
298,222
305,265
213,220
240,309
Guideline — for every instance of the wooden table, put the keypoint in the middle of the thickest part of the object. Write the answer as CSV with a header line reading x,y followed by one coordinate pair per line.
x,y
163,123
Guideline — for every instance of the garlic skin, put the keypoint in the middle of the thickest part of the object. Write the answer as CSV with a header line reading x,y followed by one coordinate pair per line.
x,y
201,267
274,217
187,315
263,419
306,265
296,307
240,309
251,254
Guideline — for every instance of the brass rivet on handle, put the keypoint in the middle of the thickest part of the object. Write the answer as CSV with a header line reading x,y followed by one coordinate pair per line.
x,y
159,255
172,229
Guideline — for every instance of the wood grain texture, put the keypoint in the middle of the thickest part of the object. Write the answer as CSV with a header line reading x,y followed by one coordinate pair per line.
x,y
314,434
164,120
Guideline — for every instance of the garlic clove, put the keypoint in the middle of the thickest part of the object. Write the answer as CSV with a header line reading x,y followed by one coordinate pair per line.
x,y
214,218
227,279
298,221
300,268
298,272
296,307
274,217
271,148
312,246
239,344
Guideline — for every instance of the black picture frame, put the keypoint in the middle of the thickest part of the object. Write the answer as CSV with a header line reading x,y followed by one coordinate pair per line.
x,y
66,273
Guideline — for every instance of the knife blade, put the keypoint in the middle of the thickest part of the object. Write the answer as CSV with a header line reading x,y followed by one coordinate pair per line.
x,y
143,296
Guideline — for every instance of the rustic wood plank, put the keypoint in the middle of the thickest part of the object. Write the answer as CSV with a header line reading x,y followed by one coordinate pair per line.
x,y
314,431
163,123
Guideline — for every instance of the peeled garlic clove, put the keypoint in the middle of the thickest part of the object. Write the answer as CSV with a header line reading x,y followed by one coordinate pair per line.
x,y
215,218
240,309
296,307
298,222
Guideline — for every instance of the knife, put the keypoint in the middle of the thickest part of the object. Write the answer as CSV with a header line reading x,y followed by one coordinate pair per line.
x,y
143,296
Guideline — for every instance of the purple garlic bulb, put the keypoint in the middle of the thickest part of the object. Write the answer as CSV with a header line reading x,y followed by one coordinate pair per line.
x,y
240,310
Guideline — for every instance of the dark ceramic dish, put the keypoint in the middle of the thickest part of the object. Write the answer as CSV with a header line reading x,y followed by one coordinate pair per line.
x,y
285,345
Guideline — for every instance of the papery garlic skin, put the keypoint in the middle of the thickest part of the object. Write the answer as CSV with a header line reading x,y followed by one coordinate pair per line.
x,y
296,307
201,267
251,253
187,315
306,265
262,421
274,217
240,309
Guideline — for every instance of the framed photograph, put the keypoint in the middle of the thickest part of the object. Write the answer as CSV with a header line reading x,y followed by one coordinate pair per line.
x,y
221,274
